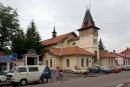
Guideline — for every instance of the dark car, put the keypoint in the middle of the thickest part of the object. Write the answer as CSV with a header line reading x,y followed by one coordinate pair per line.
x,y
94,69
46,74
106,69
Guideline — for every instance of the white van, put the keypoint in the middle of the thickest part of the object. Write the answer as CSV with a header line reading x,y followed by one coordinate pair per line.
x,y
27,74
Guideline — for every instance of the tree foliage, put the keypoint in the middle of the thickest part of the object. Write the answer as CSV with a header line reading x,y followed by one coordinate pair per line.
x,y
101,46
18,43
33,38
8,24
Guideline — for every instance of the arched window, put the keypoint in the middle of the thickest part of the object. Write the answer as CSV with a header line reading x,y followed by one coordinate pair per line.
x,y
67,63
95,57
50,62
47,62
87,62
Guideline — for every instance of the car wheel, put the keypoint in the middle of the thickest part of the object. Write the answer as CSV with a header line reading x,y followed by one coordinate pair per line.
x,y
23,82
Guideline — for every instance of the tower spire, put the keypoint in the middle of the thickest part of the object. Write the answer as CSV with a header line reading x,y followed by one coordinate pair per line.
x,y
54,32
88,20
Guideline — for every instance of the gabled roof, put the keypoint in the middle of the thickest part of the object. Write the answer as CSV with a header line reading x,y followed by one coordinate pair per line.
x,y
106,54
124,54
127,51
75,50
57,39
88,21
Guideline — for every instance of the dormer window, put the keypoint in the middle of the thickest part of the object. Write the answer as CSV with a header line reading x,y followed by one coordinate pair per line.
x,y
73,43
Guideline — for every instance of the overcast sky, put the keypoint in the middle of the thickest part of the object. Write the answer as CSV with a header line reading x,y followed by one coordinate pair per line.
x,y
112,16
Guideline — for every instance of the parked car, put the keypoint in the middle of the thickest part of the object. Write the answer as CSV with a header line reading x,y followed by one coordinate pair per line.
x,y
126,67
3,76
106,69
94,69
27,74
117,69
79,71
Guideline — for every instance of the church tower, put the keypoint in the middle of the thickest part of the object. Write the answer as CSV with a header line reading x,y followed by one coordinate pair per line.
x,y
88,35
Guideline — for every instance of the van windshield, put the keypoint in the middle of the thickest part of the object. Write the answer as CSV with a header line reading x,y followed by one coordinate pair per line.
x,y
13,70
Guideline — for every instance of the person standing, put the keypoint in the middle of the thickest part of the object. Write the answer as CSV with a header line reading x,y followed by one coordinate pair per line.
x,y
57,73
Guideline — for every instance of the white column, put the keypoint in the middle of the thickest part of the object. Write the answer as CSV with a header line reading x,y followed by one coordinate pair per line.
x,y
8,66
25,60
37,60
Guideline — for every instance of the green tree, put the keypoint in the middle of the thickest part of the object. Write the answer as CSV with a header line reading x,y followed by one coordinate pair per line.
x,y
8,24
18,43
33,38
101,46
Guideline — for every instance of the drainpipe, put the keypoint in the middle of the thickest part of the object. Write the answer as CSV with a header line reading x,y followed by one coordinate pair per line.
x,y
61,49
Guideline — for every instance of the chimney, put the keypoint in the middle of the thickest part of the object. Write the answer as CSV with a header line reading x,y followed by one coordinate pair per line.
x,y
114,51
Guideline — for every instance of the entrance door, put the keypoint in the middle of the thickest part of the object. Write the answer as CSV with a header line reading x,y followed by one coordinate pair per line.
x,y
31,61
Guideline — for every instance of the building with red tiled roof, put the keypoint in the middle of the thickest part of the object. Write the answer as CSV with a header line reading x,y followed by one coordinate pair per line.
x,y
74,50
123,57
70,50
107,58
59,39
68,58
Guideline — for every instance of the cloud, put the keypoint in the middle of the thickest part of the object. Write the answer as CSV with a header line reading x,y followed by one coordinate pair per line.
x,y
112,16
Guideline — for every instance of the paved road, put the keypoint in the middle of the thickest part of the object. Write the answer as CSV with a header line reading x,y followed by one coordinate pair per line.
x,y
110,80
100,81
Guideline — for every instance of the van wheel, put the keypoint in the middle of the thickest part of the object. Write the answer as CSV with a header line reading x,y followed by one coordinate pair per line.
x,y
23,82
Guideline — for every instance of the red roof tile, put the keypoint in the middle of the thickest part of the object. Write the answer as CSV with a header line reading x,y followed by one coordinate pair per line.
x,y
124,54
127,51
56,39
75,50
106,54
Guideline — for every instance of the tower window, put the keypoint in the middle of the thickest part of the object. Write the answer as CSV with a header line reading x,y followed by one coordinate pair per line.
x,y
95,41
95,30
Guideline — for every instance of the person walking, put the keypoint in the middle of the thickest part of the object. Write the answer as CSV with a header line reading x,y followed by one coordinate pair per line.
x,y
57,73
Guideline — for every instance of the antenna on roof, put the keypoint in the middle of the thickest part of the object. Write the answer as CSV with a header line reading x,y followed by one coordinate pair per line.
x,y
89,6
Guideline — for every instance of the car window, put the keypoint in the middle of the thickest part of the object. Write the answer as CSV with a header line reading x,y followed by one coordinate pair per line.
x,y
33,69
5,73
21,69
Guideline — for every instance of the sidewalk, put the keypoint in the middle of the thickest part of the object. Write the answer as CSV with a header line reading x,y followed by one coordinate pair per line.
x,y
122,85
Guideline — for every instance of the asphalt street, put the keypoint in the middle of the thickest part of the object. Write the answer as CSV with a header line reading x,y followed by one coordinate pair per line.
x,y
99,81
110,80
